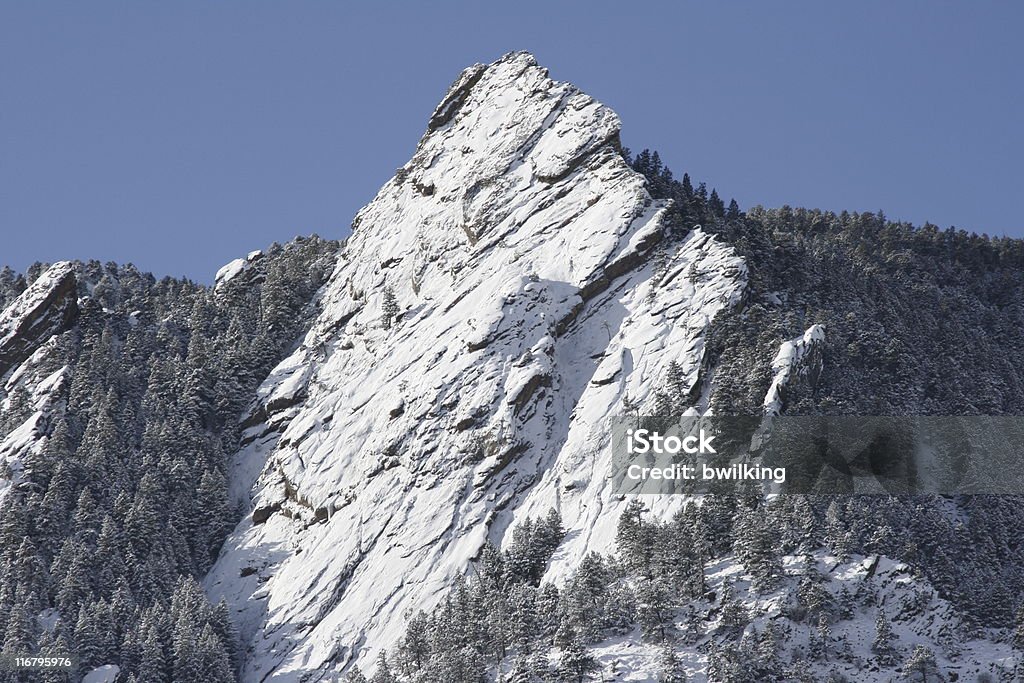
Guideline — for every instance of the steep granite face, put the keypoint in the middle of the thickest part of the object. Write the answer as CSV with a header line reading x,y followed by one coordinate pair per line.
x,y
44,309
492,309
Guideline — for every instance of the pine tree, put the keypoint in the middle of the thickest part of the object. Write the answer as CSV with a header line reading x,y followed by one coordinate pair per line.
x,y
634,537
28,569
664,405
724,664
651,610
675,382
414,649
812,595
212,657
733,212
686,186
734,616
280,301
921,665
110,549
524,623
800,528
215,516
144,523
187,666
670,668
882,645
389,308
21,632
575,663
824,636
87,638
383,673
220,620
550,533
355,676
154,665
716,205
86,519
1018,633
701,194
546,603
73,575
55,512
756,546
837,535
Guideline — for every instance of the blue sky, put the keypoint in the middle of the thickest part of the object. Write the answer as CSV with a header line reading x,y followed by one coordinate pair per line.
x,y
180,135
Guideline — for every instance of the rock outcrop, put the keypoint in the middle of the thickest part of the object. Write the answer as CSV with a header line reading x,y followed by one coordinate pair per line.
x,y
516,244
47,307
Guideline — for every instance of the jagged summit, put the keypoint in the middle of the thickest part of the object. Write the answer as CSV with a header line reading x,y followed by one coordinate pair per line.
x,y
490,311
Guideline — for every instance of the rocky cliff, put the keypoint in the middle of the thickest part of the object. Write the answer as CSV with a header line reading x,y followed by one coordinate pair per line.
x,y
491,310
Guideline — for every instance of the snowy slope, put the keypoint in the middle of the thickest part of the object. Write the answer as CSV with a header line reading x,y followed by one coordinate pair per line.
x,y
880,586
513,243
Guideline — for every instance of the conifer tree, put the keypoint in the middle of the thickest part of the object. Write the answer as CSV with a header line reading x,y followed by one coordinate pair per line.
x,y
575,663
1018,633
883,643
733,212
652,613
355,676
389,308
670,668
734,615
757,548
675,381
824,636
20,633
153,665
921,665
383,673
212,657
634,537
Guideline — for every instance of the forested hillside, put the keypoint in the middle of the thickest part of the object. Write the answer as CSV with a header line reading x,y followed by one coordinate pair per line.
x,y
112,517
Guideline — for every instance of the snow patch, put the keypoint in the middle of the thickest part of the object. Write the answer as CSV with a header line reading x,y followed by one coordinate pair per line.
x,y
102,674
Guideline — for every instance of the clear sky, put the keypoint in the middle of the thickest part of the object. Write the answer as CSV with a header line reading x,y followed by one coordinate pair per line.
x,y
181,135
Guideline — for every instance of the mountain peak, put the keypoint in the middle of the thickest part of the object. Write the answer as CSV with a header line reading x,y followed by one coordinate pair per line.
x,y
511,112
491,309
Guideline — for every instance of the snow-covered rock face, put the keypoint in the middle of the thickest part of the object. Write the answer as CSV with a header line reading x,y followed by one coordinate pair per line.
x,y
45,396
513,246
231,270
795,357
45,308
